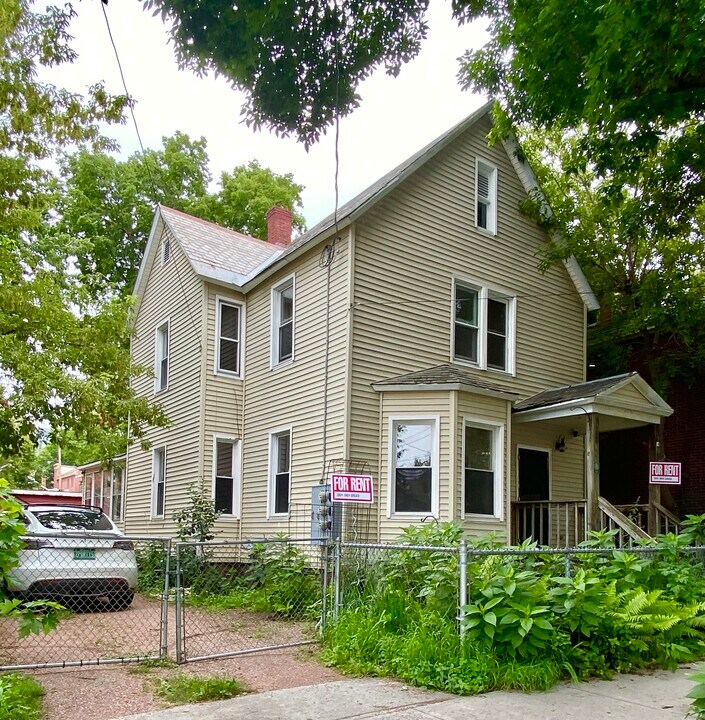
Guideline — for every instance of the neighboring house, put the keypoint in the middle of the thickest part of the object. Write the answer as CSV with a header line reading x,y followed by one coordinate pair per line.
x,y
104,487
67,477
417,340
47,496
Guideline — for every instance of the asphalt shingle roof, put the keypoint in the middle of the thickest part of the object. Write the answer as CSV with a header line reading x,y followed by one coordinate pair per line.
x,y
444,375
566,393
217,251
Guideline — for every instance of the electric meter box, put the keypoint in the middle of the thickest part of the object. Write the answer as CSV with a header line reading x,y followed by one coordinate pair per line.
x,y
326,516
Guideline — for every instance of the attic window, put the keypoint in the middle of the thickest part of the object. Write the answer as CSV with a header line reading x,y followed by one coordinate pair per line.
x,y
166,249
486,197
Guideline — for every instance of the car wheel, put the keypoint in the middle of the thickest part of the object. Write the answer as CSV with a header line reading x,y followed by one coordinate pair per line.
x,y
121,600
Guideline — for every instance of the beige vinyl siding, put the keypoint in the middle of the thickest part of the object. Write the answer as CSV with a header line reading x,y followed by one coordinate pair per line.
x,y
631,395
493,411
420,404
409,247
172,291
224,396
293,394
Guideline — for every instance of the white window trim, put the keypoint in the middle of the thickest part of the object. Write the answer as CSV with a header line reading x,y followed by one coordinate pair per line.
x,y
221,300
435,466
153,504
271,515
157,362
491,170
485,292
274,322
498,456
236,470
122,494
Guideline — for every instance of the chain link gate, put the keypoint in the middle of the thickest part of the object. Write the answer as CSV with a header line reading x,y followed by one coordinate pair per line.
x,y
114,594
239,597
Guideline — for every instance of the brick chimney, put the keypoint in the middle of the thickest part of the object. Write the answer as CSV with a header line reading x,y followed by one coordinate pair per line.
x,y
279,226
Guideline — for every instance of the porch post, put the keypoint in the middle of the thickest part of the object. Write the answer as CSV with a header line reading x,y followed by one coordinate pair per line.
x,y
592,471
656,452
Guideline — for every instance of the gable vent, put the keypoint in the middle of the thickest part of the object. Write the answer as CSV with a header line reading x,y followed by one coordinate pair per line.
x,y
166,249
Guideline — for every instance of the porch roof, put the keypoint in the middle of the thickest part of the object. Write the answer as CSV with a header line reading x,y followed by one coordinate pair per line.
x,y
627,398
443,377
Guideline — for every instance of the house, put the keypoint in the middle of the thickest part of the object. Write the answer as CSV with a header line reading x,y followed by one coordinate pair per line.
x,y
103,486
412,336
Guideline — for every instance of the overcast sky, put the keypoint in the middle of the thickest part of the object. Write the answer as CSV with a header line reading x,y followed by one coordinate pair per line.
x,y
396,118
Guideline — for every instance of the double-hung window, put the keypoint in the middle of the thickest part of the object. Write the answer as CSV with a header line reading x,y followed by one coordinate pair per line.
x,y
228,338
414,466
158,481
161,365
283,322
483,327
486,196
482,469
225,480
279,473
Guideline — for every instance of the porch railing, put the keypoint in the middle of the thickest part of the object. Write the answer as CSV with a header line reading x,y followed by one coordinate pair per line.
x,y
556,523
611,518
664,520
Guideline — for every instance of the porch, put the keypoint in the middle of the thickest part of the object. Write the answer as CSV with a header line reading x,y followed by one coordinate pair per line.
x,y
545,508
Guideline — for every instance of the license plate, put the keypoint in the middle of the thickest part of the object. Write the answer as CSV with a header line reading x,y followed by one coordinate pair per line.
x,y
84,554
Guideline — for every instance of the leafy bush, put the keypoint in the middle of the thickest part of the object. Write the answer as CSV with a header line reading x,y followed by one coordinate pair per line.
x,y
278,579
20,697
527,622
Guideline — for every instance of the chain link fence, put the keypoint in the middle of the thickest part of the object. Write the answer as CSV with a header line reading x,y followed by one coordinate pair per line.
x,y
234,598
110,595
442,576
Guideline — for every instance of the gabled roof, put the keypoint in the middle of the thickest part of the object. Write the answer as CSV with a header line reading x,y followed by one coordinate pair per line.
x,y
443,377
622,396
227,256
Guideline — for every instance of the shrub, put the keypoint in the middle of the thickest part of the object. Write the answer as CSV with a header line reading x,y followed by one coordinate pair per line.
x,y
20,697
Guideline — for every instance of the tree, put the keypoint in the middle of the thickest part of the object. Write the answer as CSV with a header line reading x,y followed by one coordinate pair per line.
x,y
60,366
640,247
107,205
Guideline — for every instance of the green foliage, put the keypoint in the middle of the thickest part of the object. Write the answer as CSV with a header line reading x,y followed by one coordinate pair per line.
x,y
526,622
697,707
196,519
277,579
151,568
21,697
183,689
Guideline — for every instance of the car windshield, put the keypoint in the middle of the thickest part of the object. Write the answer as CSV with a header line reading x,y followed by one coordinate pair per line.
x,y
73,519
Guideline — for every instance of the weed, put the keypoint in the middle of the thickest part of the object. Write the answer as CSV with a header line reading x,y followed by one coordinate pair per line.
x,y
183,689
20,697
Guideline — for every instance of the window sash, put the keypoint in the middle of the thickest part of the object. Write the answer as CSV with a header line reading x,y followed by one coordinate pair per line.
x,y
162,356
280,480
224,486
414,466
480,470
283,330
159,481
116,506
228,341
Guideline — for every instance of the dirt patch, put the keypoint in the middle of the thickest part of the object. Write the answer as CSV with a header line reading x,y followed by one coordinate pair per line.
x,y
106,692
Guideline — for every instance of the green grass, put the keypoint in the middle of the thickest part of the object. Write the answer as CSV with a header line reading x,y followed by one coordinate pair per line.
x,y
183,689
146,666
21,697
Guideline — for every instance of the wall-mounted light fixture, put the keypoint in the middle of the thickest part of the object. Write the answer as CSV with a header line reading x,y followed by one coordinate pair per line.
x,y
560,443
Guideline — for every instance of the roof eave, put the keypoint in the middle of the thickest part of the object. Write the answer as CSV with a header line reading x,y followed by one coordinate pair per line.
x,y
426,387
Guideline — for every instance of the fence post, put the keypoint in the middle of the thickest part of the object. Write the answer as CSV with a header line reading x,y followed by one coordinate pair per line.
x,y
164,650
463,589
325,553
336,579
179,628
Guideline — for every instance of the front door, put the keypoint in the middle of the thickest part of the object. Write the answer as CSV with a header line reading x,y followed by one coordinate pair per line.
x,y
534,486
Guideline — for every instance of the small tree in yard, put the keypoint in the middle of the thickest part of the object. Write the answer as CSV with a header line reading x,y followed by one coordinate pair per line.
x,y
196,520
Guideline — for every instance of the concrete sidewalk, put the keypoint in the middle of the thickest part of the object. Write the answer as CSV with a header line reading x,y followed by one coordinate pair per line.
x,y
659,695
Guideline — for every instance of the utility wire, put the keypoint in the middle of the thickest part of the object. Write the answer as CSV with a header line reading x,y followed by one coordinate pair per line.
x,y
130,105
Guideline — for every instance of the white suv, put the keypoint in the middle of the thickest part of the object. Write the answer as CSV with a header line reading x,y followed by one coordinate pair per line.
x,y
75,555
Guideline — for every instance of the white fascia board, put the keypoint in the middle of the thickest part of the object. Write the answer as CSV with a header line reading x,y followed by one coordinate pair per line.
x,y
463,387
152,241
219,275
531,186
638,382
